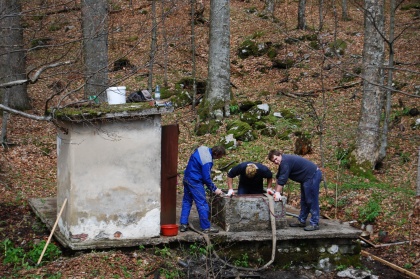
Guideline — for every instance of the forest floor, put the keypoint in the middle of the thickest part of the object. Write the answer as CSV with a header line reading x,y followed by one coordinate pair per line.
x,y
28,165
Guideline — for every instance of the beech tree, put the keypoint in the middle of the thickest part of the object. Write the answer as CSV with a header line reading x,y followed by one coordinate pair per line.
x,y
217,95
368,136
269,6
12,58
301,15
152,47
95,47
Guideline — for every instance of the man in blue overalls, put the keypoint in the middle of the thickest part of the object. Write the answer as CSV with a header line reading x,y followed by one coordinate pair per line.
x,y
197,174
309,176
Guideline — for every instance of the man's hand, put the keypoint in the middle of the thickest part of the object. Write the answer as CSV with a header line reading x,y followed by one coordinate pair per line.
x,y
230,193
277,196
270,191
218,192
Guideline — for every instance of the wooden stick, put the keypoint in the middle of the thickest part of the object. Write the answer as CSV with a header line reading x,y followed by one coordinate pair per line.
x,y
396,267
368,242
52,231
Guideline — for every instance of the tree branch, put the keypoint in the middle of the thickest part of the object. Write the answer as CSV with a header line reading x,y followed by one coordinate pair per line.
x,y
35,76
27,115
39,71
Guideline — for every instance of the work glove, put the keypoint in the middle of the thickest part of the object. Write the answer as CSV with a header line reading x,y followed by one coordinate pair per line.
x,y
270,191
218,192
277,196
230,193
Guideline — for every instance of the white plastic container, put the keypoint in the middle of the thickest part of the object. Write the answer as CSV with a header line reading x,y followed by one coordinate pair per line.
x,y
116,95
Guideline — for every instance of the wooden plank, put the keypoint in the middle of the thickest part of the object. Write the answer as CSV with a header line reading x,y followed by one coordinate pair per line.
x,y
396,267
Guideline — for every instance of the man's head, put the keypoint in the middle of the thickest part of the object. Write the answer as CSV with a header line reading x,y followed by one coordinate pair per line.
x,y
251,170
218,152
274,156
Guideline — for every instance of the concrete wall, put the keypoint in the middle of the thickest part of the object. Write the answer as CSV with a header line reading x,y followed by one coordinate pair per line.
x,y
244,213
109,171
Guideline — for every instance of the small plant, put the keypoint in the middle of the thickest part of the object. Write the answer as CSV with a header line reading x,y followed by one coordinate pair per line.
x,y
163,252
340,267
408,265
242,261
196,250
12,255
234,109
18,257
51,253
369,212
126,272
171,272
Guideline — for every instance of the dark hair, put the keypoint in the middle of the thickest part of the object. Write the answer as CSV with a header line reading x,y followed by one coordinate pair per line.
x,y
218,151
272,153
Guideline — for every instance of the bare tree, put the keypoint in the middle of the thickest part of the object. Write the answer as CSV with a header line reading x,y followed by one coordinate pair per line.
x,y
301,15
384,138
321,14
269,6
193,54
12,55
165,45
344,10
12,61
418,176
152,47
217,96
95,47
367,143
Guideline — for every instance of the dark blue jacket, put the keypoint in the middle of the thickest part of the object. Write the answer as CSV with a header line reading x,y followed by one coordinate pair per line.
x,y
296,168
252,185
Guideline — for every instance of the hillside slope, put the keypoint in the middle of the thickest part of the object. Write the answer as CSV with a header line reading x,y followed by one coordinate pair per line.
x,y
28,166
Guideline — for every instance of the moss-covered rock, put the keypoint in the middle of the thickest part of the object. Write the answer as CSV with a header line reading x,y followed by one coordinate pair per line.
x,y
228,142
339,46
255,114
207,127
181,99
241,131
247,105
283,63
287,114
259,125
250,118
247,48
250,47
187,84
269,131
285,135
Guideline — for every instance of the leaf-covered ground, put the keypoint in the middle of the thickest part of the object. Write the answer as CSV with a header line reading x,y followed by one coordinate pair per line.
x,y
28,165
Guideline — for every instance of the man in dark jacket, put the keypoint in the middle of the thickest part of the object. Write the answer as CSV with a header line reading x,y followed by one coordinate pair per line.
x,y
197,174
309,176
251,178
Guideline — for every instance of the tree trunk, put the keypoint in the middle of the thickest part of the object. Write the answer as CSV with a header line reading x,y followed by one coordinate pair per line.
x,y
193,54
418,176
165,45
301,15
321,14
269,8
367,143
384,141
95,47
12,58
344,11
217,96
152,47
